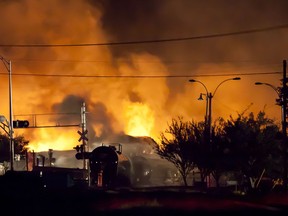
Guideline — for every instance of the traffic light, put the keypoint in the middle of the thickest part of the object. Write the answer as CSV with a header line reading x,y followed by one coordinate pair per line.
x,y
20,124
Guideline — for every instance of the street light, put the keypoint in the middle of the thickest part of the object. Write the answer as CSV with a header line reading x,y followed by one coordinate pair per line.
x,y
282,102
8,66
277,90
209,96
201,98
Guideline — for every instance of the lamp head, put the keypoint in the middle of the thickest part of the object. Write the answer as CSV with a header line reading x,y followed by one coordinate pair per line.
x,y
2,118
192,80
200,97
258,83
236,78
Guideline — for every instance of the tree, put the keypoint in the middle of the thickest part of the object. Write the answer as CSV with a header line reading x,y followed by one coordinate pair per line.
x,y
20,144
201,148
248,145
176,146
245,145
4,148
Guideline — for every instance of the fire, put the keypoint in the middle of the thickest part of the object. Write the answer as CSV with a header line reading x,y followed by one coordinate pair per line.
x,y
140,119
103,80
53,139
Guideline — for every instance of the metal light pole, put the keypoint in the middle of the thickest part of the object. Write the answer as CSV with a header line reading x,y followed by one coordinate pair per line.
x,y
278,92
209,97
8,66
282,100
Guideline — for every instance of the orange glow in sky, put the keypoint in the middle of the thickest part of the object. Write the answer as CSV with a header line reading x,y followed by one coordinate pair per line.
x,y
132,89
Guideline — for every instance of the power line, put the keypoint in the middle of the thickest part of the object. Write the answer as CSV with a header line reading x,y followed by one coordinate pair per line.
x,y
257,30
143,76
35,114
263,62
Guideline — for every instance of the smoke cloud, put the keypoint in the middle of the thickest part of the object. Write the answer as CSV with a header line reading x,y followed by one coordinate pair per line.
x,y
50,84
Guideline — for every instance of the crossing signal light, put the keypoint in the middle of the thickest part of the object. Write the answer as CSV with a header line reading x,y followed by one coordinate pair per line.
x,y
82,155
20,124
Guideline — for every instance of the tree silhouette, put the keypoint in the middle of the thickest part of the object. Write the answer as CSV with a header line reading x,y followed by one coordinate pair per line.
x,y
176,146
245,146
20,144
248,145
4,148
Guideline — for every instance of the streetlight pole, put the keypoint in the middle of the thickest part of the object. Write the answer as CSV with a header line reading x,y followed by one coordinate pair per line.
x,y
272,86
207,100
8,66
282,100
278,92
210,95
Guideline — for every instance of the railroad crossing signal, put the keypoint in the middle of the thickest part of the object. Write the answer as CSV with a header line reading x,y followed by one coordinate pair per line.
x,y
83,135
20,124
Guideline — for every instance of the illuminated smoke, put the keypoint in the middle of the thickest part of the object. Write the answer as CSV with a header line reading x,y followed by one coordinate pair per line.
x,y
119,107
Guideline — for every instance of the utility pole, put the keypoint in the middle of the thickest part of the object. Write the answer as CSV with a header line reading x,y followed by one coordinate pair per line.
x,y
284,124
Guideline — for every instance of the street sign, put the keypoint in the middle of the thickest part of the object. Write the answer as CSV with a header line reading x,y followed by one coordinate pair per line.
x,y
83,135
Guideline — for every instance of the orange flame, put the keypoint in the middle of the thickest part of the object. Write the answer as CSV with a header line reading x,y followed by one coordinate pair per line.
x,y
53,139
140,119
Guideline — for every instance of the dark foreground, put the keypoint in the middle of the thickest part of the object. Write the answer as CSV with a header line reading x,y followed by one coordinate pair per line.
x,y
21,196
149,201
